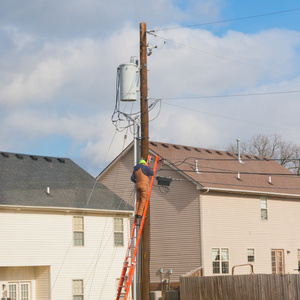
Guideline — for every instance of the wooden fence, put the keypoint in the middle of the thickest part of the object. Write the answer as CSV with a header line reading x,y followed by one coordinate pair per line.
x,y
241,287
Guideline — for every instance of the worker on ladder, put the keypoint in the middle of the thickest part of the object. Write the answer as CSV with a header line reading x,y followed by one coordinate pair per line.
x,y
141,176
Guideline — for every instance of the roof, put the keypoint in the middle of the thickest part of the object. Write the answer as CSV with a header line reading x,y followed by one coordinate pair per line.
x,y
42,181
221,170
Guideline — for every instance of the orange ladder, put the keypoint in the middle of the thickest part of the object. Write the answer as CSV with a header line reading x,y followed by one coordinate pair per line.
x,y
127,265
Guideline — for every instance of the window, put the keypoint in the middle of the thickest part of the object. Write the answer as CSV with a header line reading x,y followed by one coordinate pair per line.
x,y
78,289
263,208
118,232
19,291
78,230
13,291
277,260
220,260
25,291
250,254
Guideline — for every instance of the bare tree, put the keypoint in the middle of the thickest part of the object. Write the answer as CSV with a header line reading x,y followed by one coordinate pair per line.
x,y
272,146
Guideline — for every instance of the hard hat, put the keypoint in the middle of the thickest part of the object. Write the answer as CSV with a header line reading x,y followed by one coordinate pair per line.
x,y
142,161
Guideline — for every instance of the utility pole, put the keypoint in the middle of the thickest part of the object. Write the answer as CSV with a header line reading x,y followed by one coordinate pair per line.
x,y
145,254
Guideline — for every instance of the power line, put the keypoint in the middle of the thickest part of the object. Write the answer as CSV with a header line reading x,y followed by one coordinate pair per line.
x,y
215,55
231,95
231,20
232,172
233,119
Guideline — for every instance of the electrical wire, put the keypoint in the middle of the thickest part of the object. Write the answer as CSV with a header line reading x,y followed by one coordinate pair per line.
x,y
230,96
82,214
233,119
231,20
216,55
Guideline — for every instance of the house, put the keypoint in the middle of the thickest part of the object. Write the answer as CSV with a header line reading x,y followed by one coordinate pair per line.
x,y
63,233
221,214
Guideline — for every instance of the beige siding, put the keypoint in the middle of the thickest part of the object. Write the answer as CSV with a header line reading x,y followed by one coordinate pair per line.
x,y
118,178
234,222
38,277
175,228
175,224
38,239
42,283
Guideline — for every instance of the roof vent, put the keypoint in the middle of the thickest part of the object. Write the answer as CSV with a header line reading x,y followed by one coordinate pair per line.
x,y
187,148
19,156
198,150
48,159
4,154
239,151
239,176
208,151
196,167
33,157
176,147
165,145
270,180
153,144
257,158
61,160
48,190
230,154
218,152
249,157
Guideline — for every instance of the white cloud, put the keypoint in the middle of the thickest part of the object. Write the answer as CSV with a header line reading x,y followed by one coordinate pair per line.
x,y
66,86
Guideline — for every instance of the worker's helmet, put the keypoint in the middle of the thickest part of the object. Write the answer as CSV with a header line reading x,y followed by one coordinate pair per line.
x,y
142,161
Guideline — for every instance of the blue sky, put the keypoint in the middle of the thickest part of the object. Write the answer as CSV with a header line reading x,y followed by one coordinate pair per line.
x,y
59,61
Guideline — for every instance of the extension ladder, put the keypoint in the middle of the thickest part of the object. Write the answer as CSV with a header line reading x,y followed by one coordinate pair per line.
x,y
127,277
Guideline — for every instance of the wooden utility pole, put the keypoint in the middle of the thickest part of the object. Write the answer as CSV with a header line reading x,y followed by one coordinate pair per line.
x,y
145,256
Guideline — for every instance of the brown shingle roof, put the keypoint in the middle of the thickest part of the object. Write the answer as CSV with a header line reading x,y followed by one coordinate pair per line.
x,y
222,170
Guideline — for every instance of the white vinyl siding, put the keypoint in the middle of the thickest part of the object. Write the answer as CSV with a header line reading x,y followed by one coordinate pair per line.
x,y
43,241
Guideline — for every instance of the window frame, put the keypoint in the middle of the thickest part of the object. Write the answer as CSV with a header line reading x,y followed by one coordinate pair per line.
x,y
220,264
250,255
75,294
298,250
277,261
78,230
264,208
118,242
20,293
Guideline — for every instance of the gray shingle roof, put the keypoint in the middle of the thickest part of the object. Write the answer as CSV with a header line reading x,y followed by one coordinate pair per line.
x,y
24,180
